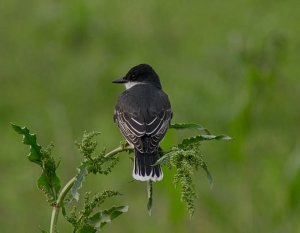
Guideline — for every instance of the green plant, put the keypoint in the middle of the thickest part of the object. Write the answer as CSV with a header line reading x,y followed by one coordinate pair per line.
x,y
184,157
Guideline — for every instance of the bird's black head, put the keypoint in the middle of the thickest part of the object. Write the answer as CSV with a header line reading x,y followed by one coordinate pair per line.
x,y
142,73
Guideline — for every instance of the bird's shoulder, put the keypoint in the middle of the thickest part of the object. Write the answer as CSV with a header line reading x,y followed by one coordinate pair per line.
x,y
144,105
143,96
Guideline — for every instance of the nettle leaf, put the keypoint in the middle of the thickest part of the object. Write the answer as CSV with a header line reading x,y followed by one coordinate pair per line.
x,y
204,137
48,182
87,229
80,177
35,154
180,126
186,126
100,219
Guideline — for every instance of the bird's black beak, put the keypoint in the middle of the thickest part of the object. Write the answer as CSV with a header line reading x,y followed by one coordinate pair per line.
x,y
120,80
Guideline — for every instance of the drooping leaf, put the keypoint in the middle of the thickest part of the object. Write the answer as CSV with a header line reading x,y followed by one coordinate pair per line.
x,y
208,174
64,212
35,154
203,137
100,219
150,199
164,158
80,177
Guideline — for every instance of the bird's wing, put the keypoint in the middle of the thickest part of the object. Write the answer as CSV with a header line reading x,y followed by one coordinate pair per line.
x,y
143,121
156,129
131,128
145,136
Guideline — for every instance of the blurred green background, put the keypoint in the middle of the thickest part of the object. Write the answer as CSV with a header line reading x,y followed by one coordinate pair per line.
x,y
232,66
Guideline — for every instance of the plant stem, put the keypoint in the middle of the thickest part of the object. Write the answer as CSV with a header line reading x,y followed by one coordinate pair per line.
x,y
62,195
57,206
118,150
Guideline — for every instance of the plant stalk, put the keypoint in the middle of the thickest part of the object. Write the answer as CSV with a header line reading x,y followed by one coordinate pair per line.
x,y
118,150
58,204
62,195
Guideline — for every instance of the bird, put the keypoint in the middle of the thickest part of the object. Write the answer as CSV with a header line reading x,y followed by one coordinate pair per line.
x,y
143,114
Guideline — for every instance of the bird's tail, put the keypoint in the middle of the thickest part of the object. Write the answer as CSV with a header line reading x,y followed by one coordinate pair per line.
x,y
143,168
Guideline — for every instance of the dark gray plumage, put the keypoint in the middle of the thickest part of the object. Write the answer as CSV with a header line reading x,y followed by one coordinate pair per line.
x,y
143,113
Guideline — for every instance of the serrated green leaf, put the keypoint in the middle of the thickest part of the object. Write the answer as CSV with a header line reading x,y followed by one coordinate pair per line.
x,y
35,154
17,128
186,126
223,137
203,137
49,184
80,177
100,219
44,186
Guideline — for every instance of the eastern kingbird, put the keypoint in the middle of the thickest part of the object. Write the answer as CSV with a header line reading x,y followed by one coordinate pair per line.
x,y
143,113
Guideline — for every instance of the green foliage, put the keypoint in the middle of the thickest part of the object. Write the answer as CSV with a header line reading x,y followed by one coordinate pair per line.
x,y
98,164
186,158
199,138
79,179
179,126
48,182
35,155
100,219
87,220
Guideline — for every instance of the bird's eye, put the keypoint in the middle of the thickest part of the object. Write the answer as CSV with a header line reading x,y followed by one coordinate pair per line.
x,y
133,76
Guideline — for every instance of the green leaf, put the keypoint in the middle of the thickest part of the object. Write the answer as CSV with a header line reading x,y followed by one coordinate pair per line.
x,y
87,229
64,212
164,158
35,154
186,126
203,137
80,177
100,219
49,184
208,174
150,199
180,126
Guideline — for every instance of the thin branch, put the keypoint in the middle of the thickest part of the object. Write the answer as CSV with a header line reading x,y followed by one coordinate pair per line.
x,y
118,150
